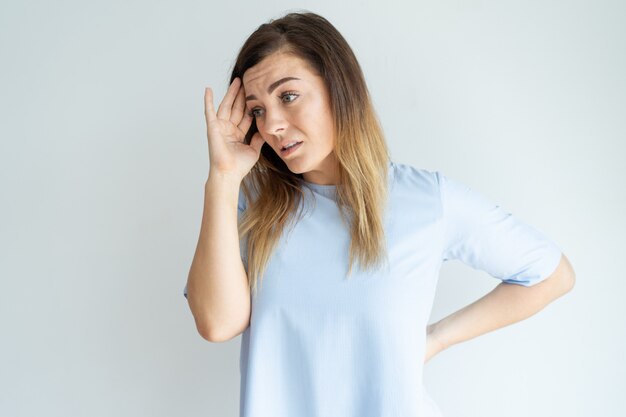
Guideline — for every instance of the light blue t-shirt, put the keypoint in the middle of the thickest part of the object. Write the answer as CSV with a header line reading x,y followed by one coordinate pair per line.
x,y
323,345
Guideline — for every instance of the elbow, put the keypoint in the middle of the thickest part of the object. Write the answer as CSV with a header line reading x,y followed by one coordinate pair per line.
x,y
220,326
570,275
561,281
212,336
571,281
218,334
209,333
217,337
566,275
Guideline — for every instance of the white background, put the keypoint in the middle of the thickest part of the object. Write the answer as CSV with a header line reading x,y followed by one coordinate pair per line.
x,y
103,159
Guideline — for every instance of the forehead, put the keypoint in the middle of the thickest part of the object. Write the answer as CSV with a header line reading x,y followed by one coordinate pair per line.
x,y
274,67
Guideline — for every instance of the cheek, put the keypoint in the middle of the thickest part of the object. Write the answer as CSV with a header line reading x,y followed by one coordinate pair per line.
x,y
325,122
260,126
329,131
317,117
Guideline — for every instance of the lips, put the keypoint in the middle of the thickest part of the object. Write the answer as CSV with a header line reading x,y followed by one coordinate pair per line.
x,y
284,148
289,151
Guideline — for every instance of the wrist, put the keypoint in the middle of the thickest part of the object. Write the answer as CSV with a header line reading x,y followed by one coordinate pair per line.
x,y
433,331
223,178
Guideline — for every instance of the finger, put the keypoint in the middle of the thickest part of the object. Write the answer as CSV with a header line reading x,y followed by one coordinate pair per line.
x,y
257,142
244,126
238,107
223,111
209,110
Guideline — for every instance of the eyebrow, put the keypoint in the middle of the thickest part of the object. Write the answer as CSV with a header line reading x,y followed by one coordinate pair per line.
x,y
272,87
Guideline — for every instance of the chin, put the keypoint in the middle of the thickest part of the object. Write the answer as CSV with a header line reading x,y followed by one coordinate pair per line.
x,y
296,171
295,166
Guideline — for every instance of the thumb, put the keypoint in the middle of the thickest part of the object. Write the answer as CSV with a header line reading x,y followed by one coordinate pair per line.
x,y
257,142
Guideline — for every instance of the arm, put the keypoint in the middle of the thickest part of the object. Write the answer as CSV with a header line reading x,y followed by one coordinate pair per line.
x,y
217,285
504,305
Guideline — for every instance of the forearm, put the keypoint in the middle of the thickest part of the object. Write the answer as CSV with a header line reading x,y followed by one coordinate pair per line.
x,y
504,305
218,292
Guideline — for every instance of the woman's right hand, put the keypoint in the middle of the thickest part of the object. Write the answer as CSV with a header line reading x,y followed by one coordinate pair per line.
x,y
226,130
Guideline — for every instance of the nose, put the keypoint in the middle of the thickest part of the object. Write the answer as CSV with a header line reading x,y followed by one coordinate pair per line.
x,y
274,122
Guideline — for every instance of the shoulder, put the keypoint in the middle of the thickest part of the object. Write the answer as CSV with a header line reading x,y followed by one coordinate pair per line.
x,y
433,182
420,179
414,196
417,188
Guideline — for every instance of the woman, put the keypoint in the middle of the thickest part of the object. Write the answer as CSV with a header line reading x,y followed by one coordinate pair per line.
x,y
300,189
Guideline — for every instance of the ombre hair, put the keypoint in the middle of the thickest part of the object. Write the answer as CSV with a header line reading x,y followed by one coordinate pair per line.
x,y
360,147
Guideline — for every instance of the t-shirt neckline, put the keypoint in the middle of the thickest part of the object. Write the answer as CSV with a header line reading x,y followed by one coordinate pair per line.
x,y
331,189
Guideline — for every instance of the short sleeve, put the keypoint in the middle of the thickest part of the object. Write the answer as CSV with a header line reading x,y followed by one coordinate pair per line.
x,y
241,207
485,236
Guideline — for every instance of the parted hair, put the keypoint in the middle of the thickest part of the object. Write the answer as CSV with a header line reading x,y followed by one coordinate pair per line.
x,y
273,192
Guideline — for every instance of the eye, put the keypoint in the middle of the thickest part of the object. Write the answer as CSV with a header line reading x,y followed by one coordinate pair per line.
x,y
282,96
287,94
252,113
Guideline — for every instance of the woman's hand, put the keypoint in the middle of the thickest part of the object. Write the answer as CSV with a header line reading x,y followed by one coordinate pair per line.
x,y
433,345
226,130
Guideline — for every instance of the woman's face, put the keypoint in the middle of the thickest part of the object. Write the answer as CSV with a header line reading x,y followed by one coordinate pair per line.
x,y
290,103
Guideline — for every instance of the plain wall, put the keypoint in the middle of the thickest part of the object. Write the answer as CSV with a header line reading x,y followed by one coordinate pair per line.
x,y
103,157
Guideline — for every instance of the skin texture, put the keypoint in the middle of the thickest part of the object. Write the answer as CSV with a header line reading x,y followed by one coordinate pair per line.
x,y
297,110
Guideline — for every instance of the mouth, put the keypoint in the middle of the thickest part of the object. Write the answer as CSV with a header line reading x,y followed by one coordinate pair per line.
x,y
290,149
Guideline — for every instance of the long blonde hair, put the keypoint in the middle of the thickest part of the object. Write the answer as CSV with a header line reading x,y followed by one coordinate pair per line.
x,y
361,149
